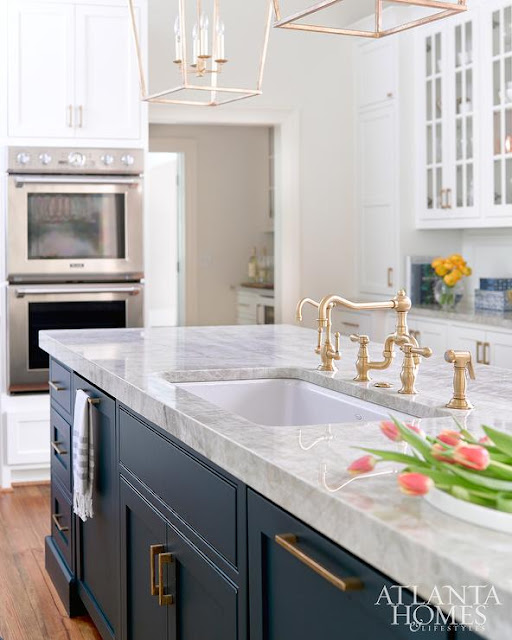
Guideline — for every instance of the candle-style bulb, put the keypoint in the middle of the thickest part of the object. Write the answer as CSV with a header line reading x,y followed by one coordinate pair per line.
x,y
204,23
220,54
178,45
195,44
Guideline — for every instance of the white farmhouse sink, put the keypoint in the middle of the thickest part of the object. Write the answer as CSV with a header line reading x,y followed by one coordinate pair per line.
x,y
287,402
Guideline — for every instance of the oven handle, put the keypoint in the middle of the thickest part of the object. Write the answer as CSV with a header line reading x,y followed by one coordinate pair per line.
x,y
40,291
21,180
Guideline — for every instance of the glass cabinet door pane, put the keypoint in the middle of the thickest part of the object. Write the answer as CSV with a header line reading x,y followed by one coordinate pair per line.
x,y
498,192
507,30
496,30
429,56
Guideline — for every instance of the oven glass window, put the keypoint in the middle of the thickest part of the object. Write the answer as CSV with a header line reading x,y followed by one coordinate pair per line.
x,y
68,226
69,315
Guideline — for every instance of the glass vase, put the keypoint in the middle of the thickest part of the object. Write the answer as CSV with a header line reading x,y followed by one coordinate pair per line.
x,y
448,297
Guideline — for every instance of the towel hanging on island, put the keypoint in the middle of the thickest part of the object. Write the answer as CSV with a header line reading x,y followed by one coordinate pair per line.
x,y
83,456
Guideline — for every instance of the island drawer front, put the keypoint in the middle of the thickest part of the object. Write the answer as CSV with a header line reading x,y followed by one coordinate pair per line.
x,y
62,522
60,386
61,457
202,498
289,600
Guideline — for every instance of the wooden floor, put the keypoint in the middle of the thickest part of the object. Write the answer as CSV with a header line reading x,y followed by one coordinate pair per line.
x,y
29,606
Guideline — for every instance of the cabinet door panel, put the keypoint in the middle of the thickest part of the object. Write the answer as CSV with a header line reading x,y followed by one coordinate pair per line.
x,y
289,601
206,601
377,78
98,544
141,527
467,338
499,349
41,61
107,90
433,335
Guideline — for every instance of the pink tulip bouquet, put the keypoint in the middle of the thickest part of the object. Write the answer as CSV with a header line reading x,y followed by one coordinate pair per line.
x,y
478,471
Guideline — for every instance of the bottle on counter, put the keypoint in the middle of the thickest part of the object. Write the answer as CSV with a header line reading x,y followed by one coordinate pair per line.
x,y
263,267
252,267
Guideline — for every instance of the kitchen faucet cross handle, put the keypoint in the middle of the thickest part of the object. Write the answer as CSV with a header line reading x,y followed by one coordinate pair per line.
x,y
363,340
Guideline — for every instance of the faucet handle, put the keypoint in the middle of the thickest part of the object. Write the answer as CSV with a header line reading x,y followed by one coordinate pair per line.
x,y
409,349
318,349
362,339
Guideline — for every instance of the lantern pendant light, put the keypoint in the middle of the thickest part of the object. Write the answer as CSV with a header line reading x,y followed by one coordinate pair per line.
x,y
211,59
296,14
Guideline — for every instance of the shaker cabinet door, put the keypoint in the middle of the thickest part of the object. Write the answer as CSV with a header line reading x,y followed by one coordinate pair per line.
x,y
98,540
289,600
41,69
107,87
143,538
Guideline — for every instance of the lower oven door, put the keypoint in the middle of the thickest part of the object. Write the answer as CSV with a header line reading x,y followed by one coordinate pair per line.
x,y
34,308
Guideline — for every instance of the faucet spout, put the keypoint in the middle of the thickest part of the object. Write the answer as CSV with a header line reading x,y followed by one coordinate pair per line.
x,y
300,306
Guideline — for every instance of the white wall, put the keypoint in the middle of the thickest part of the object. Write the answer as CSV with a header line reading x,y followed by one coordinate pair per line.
x,y
232,201
311,74
161,239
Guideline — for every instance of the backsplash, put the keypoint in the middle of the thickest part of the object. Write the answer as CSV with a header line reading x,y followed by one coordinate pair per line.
x,y
489,253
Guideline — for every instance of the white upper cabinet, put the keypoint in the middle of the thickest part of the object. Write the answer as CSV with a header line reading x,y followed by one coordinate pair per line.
x,y
72,71
41,69
377,153
107,86
377,75
449,119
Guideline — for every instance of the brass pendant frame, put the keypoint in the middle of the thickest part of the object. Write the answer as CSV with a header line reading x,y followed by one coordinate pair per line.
x,y
214,88
446,9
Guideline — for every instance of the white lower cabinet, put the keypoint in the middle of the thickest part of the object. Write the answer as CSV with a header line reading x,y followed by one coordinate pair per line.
x,y
468,338
255,307
499,349
25,455
429,334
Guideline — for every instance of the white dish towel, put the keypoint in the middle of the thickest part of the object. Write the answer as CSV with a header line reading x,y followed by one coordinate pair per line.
x,y
83,456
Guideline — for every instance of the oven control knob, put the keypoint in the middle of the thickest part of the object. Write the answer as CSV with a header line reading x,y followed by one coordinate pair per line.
x,y
128,160
23,158
45,158
107,159
76,159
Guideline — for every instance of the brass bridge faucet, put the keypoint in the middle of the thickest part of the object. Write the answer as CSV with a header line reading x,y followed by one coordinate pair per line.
x,y
463,365
401,336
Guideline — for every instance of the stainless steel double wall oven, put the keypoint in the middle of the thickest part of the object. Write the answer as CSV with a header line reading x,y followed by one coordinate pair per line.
x,y
74,249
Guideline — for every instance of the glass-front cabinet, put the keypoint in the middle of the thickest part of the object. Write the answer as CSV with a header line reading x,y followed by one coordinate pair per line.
x,y
448,122
499,32
465,119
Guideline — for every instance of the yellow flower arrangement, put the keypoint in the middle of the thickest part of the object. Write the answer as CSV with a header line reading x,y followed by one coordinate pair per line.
x,y
451,269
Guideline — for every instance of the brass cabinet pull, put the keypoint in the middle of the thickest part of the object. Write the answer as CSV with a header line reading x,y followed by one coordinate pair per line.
x,y
289,542
354,325
93,400
163,598
55,386
449,199
55,445
70,116
487,359
479,345
390,277
154,550
80,116
60,528
443,204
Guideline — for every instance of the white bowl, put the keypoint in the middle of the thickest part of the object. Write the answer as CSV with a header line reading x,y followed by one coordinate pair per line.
x,y
469,512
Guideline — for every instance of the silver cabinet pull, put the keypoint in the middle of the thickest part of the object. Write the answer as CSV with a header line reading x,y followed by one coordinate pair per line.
x,y
43,291
36,179
55,386
390,277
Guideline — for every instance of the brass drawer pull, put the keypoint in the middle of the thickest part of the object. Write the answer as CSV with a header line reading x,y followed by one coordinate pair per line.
x,y
55,386
94,400
55,445
154,550
289,542
487,359
163,598
60,528
390,277
479,345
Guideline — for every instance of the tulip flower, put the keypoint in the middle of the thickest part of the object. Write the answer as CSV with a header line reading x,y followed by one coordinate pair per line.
x,y
472,456
486,441
451,438
442,454
390,430
362,465
415,484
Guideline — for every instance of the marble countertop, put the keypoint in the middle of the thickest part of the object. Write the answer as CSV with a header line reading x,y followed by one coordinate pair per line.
x,y
465,313
304,469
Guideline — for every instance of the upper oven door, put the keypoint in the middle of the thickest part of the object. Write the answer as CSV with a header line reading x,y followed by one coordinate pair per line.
x,y
74,228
